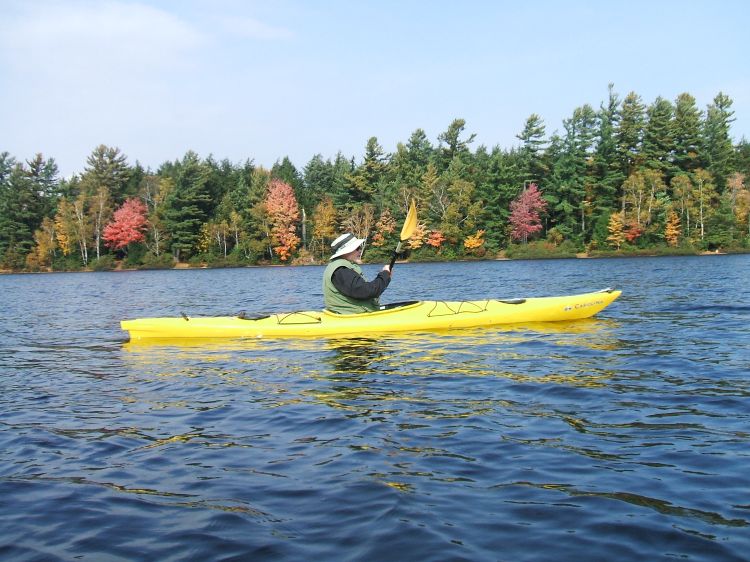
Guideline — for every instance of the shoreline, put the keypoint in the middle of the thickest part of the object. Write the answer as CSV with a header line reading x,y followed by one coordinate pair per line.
x,y
579,255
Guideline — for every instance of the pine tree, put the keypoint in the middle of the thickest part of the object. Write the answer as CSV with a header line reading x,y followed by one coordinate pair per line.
x,y
532,138
451,146
658,143
630,133
686,133
607,170
106,167
497,188
571,178
365,180
718,152
186,206
21,213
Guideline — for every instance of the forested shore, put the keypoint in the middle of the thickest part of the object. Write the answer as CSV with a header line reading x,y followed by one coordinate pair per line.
x,y
628,178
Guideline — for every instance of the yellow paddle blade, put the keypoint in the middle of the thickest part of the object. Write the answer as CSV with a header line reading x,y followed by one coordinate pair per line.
x,y
410,224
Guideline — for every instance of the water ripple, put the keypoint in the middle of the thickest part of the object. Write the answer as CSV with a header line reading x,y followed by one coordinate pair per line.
x,y
618,438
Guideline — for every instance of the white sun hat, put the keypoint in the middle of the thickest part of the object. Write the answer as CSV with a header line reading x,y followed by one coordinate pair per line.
x,y
344,244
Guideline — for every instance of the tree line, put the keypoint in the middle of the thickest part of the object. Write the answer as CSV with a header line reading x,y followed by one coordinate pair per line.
x,y
622,177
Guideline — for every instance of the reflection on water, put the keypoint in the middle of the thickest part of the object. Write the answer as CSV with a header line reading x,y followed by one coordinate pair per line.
x,y
616,438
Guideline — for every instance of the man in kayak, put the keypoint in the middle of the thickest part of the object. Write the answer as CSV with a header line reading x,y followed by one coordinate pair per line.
x,y
345,289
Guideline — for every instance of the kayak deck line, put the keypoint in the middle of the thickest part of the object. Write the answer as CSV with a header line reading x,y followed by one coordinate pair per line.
x,y
411,316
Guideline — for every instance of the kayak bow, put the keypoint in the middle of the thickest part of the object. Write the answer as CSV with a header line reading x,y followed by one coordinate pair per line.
x,y
400,317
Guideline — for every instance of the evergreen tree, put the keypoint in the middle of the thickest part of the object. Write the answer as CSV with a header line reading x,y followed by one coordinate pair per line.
x,y
287,172
718,152
186,206
366,180
343,168
106,167
317,182
408,166
44,175
742,157
630,133
571,181
136,177
686,133
450,144
20,214
721,227
532,147
607,171
500,184
658,143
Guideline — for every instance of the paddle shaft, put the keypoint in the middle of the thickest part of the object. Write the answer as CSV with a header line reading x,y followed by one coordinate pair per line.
x,y
395,255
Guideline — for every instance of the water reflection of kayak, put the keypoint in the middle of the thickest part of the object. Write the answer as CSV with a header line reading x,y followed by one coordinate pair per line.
x,y
398,317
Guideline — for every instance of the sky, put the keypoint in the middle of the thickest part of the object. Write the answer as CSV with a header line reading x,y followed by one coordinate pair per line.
x,y
261,80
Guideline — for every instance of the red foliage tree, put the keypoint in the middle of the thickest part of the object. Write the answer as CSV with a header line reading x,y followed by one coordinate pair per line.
x,y
128,225
525,213
633,232
283,212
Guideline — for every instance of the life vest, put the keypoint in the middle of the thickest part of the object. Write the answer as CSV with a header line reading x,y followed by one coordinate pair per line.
x,y
335,301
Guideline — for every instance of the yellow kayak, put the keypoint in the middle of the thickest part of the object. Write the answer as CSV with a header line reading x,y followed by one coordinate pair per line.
x,y
400,317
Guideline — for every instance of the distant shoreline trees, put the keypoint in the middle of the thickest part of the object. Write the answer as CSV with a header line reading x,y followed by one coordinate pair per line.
x,y
627,177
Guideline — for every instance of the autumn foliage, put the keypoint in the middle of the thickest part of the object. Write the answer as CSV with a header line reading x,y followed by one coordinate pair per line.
x,y
128,225
435,239
417,239
385,226
525,213
474,242
672,229
283,212
616,230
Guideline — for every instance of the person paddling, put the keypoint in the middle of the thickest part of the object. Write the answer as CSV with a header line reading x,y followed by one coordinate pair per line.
x,y
345,289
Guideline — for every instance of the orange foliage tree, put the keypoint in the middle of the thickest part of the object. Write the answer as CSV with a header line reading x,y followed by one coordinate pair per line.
x,y
283,212
633,232
386,225
435,239
672,229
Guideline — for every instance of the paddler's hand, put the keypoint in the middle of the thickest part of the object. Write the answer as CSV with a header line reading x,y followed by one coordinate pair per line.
x,y
387,268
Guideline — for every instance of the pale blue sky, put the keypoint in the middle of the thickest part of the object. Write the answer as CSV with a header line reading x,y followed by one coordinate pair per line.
x,y
261,80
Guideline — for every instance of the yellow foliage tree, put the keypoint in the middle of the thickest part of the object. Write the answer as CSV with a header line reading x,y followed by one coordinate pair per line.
x,y
474,242
204,238
417,239
324,223
616,230
64,229
740,200
673,228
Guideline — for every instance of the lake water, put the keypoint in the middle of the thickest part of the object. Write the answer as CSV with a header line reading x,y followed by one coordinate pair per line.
x,y
626,437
